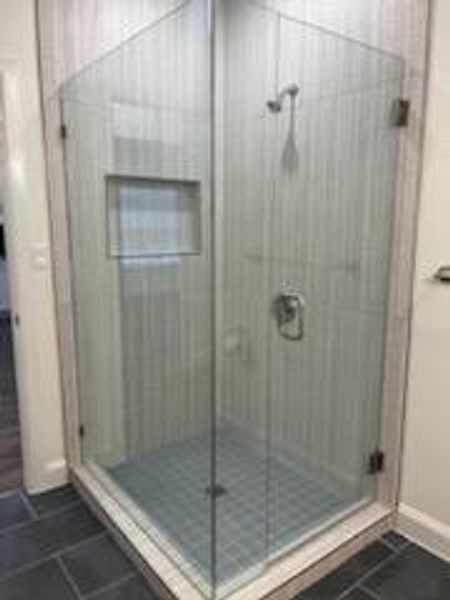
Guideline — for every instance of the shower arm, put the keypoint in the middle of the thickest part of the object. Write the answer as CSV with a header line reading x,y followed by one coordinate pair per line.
x,y
276,105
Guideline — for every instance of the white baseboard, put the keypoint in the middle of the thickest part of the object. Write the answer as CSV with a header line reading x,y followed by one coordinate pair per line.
x,y
424,530
54,475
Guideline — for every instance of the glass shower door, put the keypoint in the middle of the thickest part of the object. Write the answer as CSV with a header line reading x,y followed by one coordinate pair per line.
x,y
138,174
230,349
330,247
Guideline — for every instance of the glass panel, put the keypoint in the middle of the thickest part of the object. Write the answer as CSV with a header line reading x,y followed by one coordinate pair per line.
x,y
139,179
232,425
246,133
330,239
308,160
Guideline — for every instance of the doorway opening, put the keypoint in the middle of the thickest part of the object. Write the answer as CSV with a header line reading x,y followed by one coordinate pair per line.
x,y
10,439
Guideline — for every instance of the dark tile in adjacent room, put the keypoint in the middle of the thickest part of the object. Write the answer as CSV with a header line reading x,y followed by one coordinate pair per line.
x,y
10,461
9,414
412,575
41,538
13,511
10,446
395,541
96,563
352,571
54,500
133,589
43,582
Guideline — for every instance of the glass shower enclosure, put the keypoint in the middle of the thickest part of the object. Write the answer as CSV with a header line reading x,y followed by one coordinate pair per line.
x,y
231,185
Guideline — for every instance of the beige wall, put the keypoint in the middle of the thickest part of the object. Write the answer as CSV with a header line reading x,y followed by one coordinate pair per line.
x,y
26,212
425,508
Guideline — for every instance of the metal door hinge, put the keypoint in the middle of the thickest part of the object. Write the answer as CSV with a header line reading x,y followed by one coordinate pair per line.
x,y
401,112
216,491
81,431
63,131
376,462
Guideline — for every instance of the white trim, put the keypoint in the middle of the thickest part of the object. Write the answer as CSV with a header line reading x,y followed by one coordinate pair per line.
x,y
432,534
38,390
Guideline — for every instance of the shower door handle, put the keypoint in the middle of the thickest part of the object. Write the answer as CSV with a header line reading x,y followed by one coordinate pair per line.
x,y
289,312
443,275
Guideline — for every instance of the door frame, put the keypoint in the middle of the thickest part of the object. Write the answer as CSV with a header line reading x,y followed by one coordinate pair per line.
x,y
43,456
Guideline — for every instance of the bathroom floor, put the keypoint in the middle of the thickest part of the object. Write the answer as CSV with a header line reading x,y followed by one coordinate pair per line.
x,y
52,548
171,486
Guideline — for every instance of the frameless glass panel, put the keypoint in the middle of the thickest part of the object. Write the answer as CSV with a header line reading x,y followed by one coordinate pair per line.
x,y
245,137
308,162
230,350
330,238
138,181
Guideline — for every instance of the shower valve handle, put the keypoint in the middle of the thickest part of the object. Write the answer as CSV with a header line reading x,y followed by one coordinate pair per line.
x,y
289,311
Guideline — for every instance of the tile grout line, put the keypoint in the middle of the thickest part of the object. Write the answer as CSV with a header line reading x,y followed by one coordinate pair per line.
x,y
369,592
372,595
17,527
36,517
68,577
111,586
29,506
396,549
369,574
54,555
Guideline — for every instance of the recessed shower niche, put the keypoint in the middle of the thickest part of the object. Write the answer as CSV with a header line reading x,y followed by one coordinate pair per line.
x,y
233,280
152,217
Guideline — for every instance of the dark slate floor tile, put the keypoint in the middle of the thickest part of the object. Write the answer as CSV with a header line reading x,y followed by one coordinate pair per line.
x,y
9,414
10,462
54,500
96,564
13,511
357,594
39,539
44,582
339,581
133,589
412,575
395,540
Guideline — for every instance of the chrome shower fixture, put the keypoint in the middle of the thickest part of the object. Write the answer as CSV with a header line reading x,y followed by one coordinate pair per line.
x,y
276,105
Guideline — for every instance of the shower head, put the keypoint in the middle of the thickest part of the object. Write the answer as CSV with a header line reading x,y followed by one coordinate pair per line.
x,y
276,105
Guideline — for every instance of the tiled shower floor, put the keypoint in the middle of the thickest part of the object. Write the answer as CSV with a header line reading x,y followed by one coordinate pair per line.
x,y
252,517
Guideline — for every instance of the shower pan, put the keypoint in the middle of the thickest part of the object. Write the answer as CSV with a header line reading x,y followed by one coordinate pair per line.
x,y
232,177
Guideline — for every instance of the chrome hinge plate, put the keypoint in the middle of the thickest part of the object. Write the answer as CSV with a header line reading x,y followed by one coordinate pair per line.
x,y
401,112
377,462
